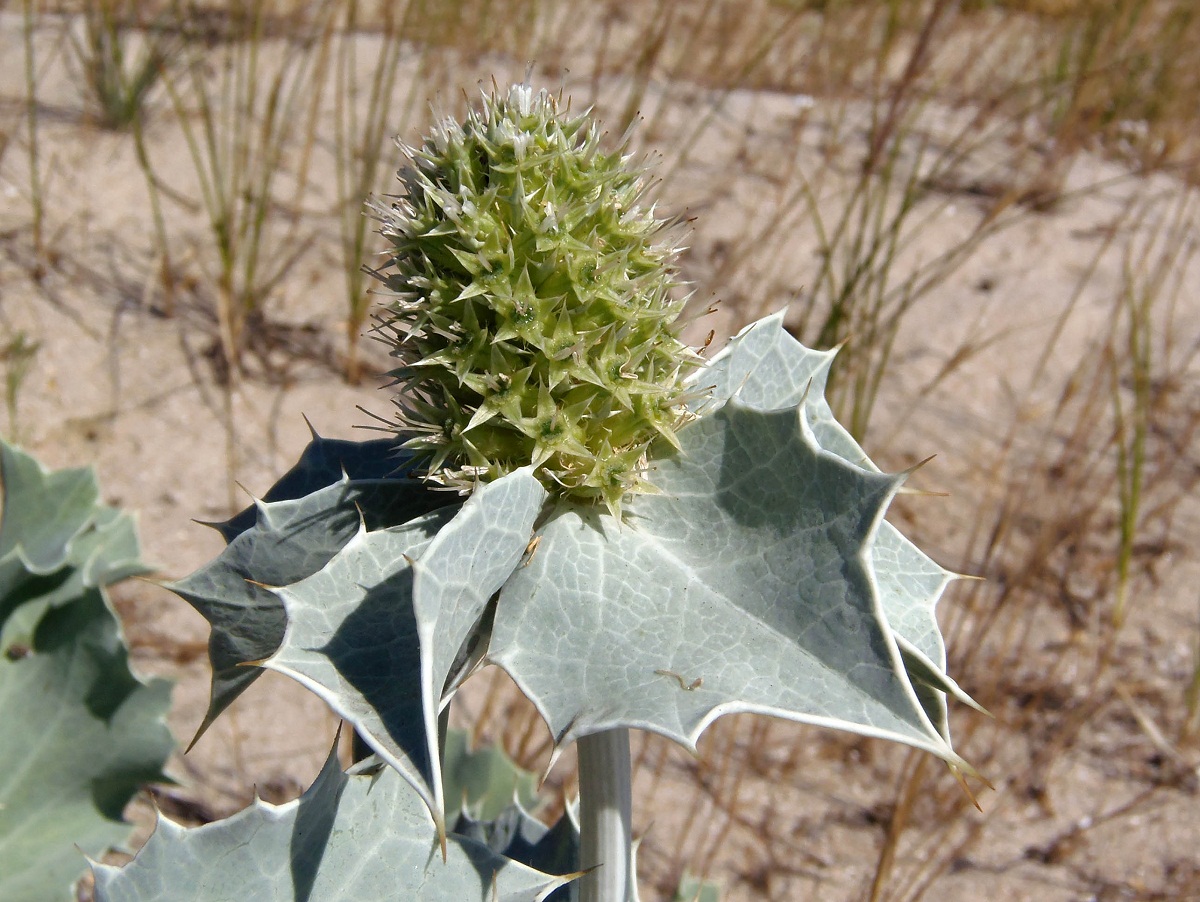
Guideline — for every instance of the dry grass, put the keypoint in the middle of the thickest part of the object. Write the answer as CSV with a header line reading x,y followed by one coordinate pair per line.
x,y
858,125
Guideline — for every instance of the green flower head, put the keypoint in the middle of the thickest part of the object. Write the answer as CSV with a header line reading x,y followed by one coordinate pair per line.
x,y
533,304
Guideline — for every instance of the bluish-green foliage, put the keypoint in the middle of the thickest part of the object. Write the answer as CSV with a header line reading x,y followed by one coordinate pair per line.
x,y
79,732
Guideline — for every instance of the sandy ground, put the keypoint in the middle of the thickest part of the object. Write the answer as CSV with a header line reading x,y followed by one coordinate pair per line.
x,y
118,384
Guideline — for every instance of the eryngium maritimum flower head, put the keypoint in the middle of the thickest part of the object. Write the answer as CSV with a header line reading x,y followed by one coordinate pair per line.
x,y
534,304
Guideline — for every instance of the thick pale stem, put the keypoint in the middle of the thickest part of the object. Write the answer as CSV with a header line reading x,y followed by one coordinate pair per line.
x,y
605,823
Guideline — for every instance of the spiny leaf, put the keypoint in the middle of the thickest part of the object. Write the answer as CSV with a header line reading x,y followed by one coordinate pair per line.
x,y
767,369
289,541
323,462
776,585
516,834
352,836
379,632
746,586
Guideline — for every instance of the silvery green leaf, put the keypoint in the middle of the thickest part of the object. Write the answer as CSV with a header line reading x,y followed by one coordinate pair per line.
x,y
80,735
910,584
747,585
378,631
44,511
483,781
768,369
107,551
324,462
289,541
497,797
360,835
516,834
693,889
103,552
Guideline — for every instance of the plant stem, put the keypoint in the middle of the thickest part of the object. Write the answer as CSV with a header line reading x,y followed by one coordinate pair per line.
x,y
605,806
35,181
166,282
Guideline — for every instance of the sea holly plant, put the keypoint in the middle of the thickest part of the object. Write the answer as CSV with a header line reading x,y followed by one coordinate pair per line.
x,y
642,539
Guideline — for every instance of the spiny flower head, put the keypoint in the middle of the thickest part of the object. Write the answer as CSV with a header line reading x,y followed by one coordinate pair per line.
x,y
533,304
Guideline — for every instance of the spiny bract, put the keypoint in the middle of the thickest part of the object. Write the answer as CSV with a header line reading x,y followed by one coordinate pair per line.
x,y
533,304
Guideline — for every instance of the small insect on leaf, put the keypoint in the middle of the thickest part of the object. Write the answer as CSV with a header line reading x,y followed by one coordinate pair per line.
x,y
683,683
530,549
